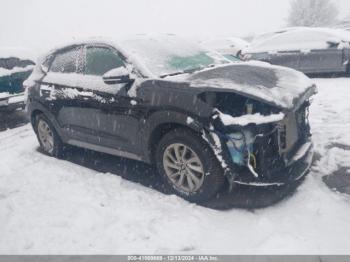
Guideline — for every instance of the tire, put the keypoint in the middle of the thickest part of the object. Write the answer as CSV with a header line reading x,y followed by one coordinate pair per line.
x,y
199,162
51,144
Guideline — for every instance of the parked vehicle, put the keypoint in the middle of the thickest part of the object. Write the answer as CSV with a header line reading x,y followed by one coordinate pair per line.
x,y
15,66
230,47
197,117
309,50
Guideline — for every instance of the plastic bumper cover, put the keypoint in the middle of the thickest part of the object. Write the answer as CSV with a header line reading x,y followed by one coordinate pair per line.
x,y
296,168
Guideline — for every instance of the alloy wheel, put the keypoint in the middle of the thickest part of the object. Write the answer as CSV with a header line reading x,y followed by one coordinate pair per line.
x,y
183,167
46,136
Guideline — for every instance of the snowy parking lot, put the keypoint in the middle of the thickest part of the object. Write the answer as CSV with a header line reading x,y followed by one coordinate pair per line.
x,y
57,206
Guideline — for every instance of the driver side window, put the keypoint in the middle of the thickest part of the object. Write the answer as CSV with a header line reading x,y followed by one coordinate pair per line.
x,y
100,60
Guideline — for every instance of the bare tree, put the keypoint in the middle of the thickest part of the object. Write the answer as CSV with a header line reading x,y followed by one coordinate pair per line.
x,y
312,13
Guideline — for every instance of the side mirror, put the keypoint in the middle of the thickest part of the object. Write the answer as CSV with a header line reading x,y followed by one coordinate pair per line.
x,y
44,68
118,75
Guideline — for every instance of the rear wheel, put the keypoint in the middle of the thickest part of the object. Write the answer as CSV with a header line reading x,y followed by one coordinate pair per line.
x,y
188,166
48,138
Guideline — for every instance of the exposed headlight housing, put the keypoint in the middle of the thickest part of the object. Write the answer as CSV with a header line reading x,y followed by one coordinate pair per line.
x,y
240,146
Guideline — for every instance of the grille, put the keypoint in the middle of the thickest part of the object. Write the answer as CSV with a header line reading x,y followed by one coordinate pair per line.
x,y
272,150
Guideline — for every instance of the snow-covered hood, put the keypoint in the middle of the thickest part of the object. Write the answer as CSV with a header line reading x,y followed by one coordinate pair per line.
x,y
278,86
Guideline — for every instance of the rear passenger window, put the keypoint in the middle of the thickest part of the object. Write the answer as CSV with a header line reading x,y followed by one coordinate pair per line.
x,y
66,61
100,60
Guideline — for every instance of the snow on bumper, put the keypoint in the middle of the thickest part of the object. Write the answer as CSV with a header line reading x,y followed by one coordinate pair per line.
x,y
10,102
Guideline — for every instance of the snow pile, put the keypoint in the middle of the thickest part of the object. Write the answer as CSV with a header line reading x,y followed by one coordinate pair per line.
x,y
298,38
12,98
189,120
16,99
330,122
245,120
51,93
120,71
4,95
8,72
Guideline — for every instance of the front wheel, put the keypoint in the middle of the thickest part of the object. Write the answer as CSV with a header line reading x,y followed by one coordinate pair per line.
x,y
188,166
48,138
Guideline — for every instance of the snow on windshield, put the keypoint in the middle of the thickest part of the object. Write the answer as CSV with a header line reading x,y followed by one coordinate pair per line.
x,y
298,39
164,55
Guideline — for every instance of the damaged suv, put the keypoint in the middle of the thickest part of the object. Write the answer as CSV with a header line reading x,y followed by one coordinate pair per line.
x,y
199,118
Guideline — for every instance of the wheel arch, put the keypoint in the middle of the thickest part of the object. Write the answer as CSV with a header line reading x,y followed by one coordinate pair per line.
x,y
35,109
34,114
163,123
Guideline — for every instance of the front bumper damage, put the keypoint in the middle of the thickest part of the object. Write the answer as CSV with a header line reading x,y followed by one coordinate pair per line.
x,y
294,170
288,169
273,157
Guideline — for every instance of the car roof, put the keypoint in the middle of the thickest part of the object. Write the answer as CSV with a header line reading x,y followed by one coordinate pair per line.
x,y
121,44
319,36
334,31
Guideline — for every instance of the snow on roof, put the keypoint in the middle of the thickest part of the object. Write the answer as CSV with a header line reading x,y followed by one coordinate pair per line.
x,y
297,38
146,51
8,72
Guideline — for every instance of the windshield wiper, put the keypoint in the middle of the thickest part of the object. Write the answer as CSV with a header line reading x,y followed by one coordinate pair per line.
x,y
187,71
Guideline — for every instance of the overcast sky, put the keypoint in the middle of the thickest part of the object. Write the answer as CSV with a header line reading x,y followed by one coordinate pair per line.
x,y
43,23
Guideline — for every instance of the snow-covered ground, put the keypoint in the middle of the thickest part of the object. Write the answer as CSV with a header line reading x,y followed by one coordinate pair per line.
x,y
58,207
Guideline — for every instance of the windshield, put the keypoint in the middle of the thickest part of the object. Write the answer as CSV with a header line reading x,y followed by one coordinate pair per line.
x,y
169,55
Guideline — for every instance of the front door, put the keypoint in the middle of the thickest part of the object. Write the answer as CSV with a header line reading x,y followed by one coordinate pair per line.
x,y
108,115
